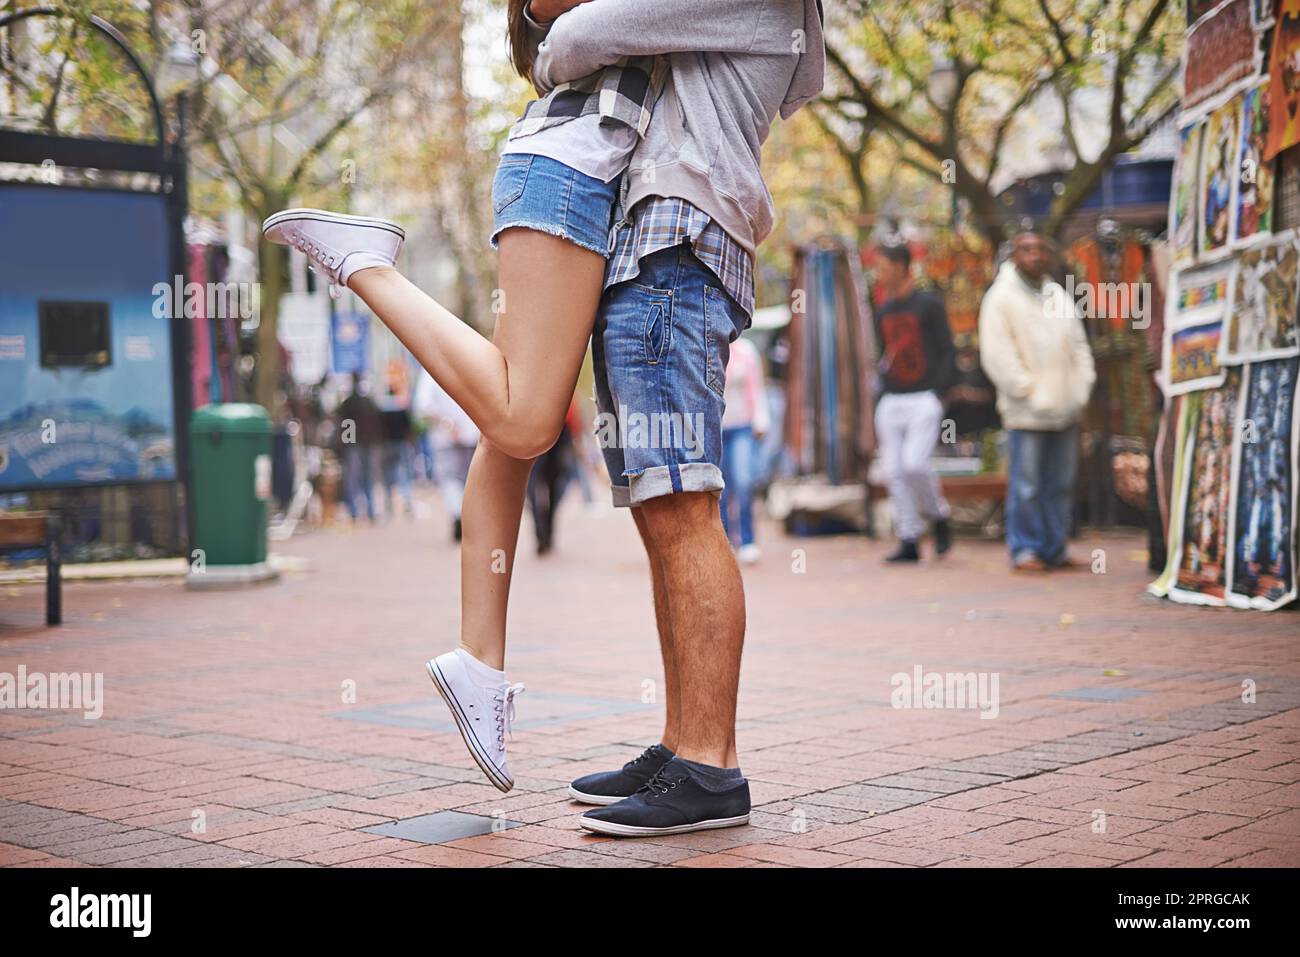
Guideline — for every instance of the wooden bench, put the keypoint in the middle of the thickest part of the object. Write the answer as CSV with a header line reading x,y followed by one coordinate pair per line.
x,y
27,530
961,488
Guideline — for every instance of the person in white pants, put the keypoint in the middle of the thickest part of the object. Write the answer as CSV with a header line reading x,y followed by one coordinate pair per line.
x,y
454,439
916,368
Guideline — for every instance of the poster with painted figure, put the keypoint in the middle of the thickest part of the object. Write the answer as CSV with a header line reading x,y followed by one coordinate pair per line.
x,y
1262,573
1202,557
1186,193
1218,191
1255,175
1261,320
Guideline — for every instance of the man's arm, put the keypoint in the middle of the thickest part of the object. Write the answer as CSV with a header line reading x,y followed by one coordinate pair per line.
x,y
998,355
1082,350
596,34
945,355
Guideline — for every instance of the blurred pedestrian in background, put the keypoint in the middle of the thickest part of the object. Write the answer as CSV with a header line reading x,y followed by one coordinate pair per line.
x,y
549,480
1033,347
916,368
745,421
360,434
774,458
399,453
453,437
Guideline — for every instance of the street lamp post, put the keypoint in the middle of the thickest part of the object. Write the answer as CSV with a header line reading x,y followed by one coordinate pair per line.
x,y
178,72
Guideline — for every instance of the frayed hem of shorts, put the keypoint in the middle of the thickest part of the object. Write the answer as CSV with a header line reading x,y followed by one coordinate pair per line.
x,y
551,230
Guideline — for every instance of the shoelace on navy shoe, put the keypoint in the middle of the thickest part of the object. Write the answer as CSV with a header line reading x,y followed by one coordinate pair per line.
x,y
645,755
661,783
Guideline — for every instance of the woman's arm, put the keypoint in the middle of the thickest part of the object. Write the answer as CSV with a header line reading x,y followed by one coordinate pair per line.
x,y
542,13
538,17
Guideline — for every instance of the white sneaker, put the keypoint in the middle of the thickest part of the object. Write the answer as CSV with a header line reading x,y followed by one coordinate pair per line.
x,y
337,245
482,706
748,554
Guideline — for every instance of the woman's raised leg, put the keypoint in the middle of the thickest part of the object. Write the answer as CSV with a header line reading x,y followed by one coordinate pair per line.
x,y
516,387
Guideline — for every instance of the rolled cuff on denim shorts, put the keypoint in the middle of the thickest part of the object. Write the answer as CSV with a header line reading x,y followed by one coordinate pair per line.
x,y
539,193
667,480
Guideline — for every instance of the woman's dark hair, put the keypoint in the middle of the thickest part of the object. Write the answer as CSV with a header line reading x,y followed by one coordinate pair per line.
x,y
521,54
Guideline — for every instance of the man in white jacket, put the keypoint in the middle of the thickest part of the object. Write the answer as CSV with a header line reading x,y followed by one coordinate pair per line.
x,y
1033,348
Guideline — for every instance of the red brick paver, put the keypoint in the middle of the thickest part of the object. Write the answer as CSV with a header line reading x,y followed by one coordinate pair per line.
x,y
271,726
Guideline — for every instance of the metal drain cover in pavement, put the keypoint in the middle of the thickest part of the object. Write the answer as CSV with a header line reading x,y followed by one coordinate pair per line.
x,y
440,827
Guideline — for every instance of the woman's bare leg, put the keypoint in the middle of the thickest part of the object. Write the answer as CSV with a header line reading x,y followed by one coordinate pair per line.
x,y
494,502
517,387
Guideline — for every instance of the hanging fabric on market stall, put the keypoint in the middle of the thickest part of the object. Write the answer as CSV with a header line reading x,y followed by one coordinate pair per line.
x,y
829,381
1119,422
829,426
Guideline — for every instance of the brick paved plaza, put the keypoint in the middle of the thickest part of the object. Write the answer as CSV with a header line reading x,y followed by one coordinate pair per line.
x,y
230,736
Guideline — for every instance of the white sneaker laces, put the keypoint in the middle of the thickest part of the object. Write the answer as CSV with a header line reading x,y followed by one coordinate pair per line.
x,y
505,709
316,255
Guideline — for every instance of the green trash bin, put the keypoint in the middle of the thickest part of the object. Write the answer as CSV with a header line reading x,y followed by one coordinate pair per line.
x,y
230,468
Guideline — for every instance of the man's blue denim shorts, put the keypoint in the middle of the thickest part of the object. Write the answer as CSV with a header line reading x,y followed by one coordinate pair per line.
x,y
537,192
659,355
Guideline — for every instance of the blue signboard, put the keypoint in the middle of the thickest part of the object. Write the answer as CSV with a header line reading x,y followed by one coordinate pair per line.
x,y
349,339
85,365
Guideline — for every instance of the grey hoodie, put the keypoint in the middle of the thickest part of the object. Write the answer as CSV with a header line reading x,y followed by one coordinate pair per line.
x,y
761,58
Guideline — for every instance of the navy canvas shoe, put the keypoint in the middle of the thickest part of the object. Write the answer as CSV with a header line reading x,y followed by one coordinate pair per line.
x,y
672,802
610,787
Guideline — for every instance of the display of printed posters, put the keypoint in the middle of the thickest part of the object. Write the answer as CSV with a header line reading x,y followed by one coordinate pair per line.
x,y
1218,197
1254,174
1186,193
1220,50
1262,571
1284,81
1261,321
1202,556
